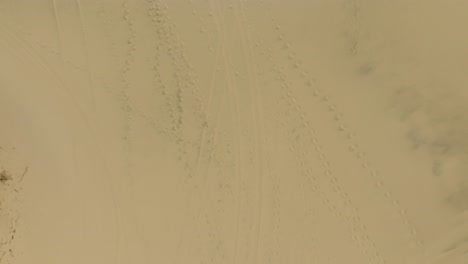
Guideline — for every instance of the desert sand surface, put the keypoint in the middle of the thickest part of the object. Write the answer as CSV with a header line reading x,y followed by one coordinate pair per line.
x,y
233,131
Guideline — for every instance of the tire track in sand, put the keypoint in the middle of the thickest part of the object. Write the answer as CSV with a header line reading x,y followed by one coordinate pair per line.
x,y
346,134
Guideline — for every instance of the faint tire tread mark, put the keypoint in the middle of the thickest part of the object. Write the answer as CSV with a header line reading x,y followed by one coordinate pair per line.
x,y
58,28
129,61
207,122
258,116
358,230
123,100
347,134
123,82
43,46
64,82
214,122
87,57
28,49
231,92
183,82
202,174
10,41
31,52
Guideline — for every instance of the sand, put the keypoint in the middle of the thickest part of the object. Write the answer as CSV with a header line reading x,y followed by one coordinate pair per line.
x,y
233,131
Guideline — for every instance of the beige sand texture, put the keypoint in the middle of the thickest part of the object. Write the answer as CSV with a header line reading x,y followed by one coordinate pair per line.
x,y
233,132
